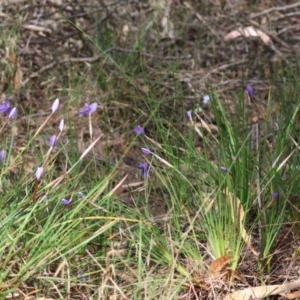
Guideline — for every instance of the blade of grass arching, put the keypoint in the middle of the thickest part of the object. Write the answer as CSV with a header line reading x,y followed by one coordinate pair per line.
x,y
238,218
283,163
55,182
275,220
170,259
58,233
159,245
219,113
291,122
287,128
62,244
70,248
40,254
14,251
274,211
54,108
19,233
222,227
140,257
263,218
173,181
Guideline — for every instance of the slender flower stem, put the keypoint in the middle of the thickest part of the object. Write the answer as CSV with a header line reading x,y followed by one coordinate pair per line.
x,y
2,128
55,107
88,110
56,181
51,150
47,156
90,126
39,176
43,125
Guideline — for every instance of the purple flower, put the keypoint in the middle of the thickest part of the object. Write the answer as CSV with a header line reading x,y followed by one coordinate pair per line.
x,y
223,169
13,113
5,107
81,277
146,151
189,115
206,99
65,201
249,90
2,155
61,125
52,141
55,105
145,167
81,195
89,108
139,130
275,195
39,173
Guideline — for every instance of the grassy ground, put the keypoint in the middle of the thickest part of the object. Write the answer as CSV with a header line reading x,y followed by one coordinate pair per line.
x,y
195,205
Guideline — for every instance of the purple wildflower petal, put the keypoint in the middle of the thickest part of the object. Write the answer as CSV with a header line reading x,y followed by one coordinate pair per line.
x,y
8,110
146,151
275,195
84,111
89,109
81,195
61,125
65,201
55,105
8,106
139,130
189,115
145,167
12,113
2,155
223,169
5,107
249,90
93,107
52,141
206,99
81,277
2,108
39,173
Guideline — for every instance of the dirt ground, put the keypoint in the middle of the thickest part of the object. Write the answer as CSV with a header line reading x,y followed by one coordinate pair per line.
x,y
173,51
121,52
214,44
